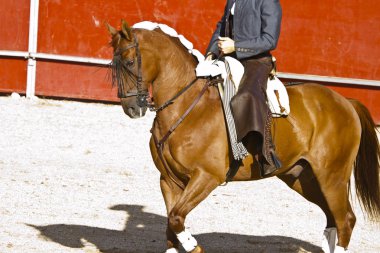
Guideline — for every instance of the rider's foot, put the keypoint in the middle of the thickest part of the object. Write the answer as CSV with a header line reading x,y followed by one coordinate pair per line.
x,y
266,168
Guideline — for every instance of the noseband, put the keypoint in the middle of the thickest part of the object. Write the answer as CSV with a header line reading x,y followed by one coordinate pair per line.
x,y
141,94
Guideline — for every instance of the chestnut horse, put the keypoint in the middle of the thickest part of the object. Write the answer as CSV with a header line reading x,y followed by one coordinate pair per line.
x,y
324,139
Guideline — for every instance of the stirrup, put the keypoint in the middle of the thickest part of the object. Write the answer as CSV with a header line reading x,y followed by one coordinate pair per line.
x,y
266,168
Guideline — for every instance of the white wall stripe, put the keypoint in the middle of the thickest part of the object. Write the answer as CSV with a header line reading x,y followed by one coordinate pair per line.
x,y
329,79
105,62
69,58
14,54
55,57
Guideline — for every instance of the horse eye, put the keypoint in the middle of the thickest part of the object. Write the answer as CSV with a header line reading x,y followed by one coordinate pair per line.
x,y
130,63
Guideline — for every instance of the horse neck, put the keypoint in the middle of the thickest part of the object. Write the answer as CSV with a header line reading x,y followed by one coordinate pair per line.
x,y
177,69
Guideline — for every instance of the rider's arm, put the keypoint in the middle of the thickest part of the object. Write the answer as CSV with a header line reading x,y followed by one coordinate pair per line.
x,y
271,15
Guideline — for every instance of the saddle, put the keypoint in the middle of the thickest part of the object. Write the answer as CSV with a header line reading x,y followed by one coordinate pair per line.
x,y
277,96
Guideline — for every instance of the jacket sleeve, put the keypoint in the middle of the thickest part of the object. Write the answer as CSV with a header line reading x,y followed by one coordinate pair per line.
x,y
271,15
213,45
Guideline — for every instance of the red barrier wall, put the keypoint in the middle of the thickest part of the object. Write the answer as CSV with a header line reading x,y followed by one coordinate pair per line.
x,y
77,28
329,38
12,75
333,38
14,32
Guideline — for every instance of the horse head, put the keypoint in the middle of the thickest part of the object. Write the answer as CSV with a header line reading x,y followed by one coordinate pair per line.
x,y
130,74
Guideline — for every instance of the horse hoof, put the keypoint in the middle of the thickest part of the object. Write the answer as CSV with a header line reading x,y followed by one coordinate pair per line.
x,y
198,249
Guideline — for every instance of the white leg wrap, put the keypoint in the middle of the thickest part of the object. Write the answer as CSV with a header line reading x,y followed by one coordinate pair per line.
x,y
187,240
339,249
172,250
329,240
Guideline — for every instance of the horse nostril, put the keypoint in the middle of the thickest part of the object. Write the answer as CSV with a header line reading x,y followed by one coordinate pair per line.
x,y
131,111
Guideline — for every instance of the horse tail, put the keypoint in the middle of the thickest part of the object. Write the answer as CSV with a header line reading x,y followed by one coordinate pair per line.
x,y
366,166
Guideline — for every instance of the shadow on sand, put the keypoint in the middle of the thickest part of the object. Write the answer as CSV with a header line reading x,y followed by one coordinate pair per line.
x,y
145,232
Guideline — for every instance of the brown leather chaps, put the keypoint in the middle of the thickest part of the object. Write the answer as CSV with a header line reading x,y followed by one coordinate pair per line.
x,y
249,108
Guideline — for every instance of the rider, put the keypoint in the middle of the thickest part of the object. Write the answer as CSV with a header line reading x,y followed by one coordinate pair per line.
x,y
248,31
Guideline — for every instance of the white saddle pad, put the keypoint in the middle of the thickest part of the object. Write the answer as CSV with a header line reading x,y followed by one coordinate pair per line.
x,y
215,68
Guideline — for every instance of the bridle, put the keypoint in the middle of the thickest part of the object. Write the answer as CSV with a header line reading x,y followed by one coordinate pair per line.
x,y
140,93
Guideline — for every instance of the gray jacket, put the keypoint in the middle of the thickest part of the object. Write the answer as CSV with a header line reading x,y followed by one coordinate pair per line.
x,y
256,26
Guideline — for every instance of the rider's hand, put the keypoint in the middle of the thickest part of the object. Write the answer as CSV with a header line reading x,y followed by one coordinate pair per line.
x,y
226,45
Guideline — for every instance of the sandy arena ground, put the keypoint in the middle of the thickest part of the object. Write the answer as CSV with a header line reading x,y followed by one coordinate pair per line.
x,y
78,177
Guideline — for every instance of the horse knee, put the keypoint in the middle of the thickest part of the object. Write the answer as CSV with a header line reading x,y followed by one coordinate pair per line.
x,y
176,222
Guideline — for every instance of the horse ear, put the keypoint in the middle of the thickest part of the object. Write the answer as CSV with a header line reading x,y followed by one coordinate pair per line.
x,y
126,30
111,29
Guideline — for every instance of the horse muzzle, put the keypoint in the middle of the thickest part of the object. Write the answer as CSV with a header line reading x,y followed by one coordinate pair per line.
x,y
132,109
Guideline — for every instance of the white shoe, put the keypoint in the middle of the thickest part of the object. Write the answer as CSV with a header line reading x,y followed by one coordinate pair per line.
x,y
329,240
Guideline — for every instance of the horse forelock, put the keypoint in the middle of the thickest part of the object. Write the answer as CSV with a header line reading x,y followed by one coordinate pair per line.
x,y
119,73
115,40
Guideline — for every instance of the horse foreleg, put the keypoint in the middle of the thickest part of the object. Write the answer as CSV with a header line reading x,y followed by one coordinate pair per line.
x,y
171,193
199,187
